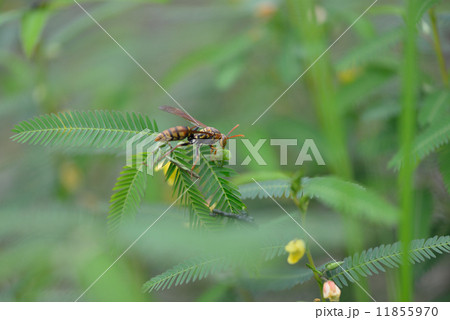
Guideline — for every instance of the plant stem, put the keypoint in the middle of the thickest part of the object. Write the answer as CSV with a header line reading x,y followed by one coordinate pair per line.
x,y
311,38
407,129
303,210
437,46
316,276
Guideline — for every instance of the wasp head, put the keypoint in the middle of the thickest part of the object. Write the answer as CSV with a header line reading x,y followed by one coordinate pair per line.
x,y
224,138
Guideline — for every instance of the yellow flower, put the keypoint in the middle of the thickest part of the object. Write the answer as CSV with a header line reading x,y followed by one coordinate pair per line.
x,y
171,179
296,250
331,291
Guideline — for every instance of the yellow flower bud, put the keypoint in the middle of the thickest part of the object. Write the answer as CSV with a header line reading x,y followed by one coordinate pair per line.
x,y
331,291
296,250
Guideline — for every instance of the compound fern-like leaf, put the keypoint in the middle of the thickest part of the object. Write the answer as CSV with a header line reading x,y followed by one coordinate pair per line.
x,y
376,260
434,107
350,198
429,140
201,267
444,165
191,270
221,193
276,188
128,192
99,128
185,188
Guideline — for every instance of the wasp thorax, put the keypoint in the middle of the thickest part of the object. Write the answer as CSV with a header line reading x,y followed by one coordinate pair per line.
x,y
223,141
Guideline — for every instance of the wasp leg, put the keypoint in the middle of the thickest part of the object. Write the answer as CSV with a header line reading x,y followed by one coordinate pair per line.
x,y
195,158
213,150
171,150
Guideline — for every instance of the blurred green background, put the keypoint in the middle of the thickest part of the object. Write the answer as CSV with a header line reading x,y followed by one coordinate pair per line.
x,y
225,62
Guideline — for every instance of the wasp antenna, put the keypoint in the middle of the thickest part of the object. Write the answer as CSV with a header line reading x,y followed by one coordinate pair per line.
x,y
232,129
236,135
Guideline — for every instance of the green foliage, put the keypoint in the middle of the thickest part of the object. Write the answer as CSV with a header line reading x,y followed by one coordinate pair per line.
x,y
228,56
423,7
276,188
353,88
33,22
277,278
350,198
201,267
191,270
99,128
273,251
222,194
370,51
428,141
186,190
113,129
211,189
128,192
363,87
444,165
435,106
375,260
367,263
346,197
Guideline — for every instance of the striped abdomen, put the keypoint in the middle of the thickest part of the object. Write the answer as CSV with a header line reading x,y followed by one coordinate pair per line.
x,y
174,133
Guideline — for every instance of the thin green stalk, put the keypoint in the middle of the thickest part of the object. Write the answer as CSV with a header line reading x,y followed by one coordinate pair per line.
x,y
303,210
407,129
323,90
437,47
302,205
316,276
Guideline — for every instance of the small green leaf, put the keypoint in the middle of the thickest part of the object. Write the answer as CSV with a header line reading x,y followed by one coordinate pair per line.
x,y
351,198
33,23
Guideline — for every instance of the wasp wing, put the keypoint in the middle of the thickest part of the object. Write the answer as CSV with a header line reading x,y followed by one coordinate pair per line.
x,y
181,113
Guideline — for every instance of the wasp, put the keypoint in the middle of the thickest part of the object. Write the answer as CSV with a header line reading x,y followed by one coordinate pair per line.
x,y
199,134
